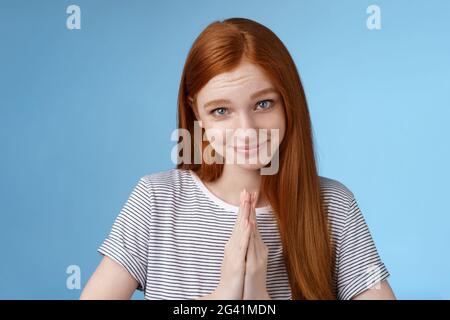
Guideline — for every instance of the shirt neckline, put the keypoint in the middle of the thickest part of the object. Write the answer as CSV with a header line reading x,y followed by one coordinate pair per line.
x,y
218,200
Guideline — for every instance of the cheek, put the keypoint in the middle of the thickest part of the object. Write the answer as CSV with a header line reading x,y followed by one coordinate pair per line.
x,y
280,118
222,129
215,134
275,120
281,121
282,126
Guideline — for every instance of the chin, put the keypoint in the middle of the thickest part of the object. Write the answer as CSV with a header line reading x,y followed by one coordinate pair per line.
x,y
253,163
253,167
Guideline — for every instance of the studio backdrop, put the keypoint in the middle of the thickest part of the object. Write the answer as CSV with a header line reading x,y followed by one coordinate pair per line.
x,y
88,95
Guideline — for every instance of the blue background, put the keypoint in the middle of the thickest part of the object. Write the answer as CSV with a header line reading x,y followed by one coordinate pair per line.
x,y
85,113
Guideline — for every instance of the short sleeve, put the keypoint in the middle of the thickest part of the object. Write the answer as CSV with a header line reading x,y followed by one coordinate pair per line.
x,y
127,242
358,263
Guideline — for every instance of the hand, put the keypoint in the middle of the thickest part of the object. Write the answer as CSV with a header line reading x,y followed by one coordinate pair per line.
x,y
256,263
231,284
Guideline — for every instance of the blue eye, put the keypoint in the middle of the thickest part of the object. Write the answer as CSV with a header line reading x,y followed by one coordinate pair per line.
x,y
219,111
265,104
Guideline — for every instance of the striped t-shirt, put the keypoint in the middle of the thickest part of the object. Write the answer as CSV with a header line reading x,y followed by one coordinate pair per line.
x,y
171,233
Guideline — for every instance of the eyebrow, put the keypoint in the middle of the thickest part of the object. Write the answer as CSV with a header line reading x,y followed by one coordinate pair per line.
x,y
253,96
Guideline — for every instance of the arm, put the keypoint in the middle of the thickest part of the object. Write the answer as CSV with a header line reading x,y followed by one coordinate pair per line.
x,y
211,296
110,281
383,292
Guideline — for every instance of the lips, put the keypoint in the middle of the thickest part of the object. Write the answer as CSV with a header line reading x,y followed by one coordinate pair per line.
x,y
250,148
246,148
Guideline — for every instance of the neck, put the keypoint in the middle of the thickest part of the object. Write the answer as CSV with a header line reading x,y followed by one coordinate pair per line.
x,y
233,180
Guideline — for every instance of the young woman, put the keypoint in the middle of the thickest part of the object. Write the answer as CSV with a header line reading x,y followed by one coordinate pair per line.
x,y
222,229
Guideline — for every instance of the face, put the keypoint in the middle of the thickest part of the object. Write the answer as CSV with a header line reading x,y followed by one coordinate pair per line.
x,y
243,116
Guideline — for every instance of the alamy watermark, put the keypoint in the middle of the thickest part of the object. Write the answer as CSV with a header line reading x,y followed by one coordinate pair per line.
x,y
74,19
373,274
73,281
373,21
228,146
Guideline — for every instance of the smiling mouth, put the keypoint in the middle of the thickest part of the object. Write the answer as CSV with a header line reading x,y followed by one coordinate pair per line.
x,y
250,148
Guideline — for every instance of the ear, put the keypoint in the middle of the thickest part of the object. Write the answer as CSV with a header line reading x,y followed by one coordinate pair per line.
x,y
194,109
190,100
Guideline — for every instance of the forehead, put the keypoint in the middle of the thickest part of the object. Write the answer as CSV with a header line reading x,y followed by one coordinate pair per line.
x,y
241,81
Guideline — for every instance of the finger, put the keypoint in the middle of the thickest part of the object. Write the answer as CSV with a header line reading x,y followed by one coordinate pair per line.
x,y
251,254
241,207
245,239
253,210
256,194
258,239
240,228
247,204
240,221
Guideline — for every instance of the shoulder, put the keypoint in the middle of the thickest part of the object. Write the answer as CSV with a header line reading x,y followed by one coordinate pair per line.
x,y
167,183
168,176
338,201
341,208
172,192
335,193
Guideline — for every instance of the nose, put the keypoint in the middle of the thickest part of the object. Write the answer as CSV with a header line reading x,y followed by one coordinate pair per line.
x,y
246,121
246,129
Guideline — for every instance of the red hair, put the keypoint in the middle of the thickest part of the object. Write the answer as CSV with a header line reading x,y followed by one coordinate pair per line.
x,y
294,192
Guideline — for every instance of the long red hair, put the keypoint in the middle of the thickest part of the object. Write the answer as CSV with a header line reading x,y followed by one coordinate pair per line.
x,y
294,192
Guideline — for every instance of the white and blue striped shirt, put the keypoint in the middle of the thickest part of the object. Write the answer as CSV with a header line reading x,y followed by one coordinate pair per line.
x,y
171,233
